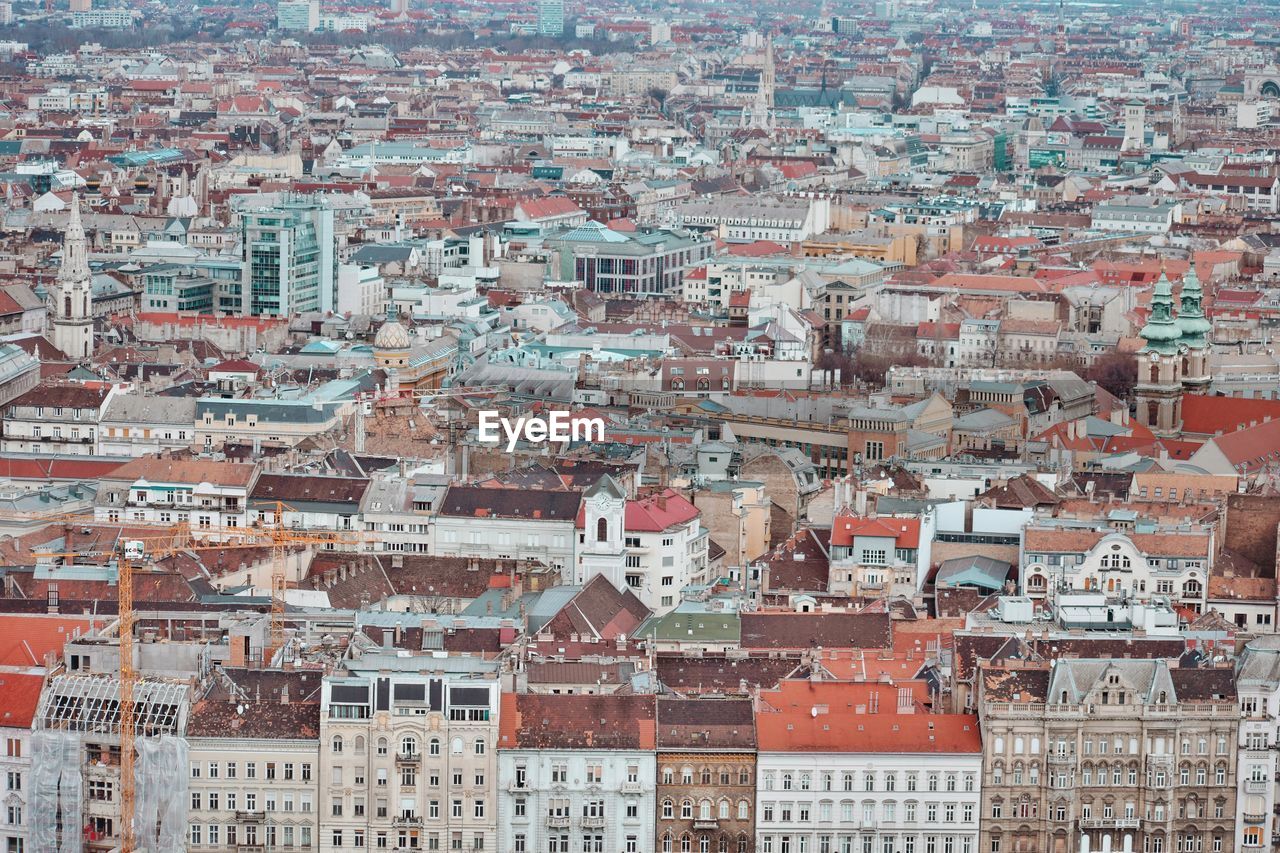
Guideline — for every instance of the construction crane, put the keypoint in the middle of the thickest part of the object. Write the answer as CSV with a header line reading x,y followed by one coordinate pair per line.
x,y
131,552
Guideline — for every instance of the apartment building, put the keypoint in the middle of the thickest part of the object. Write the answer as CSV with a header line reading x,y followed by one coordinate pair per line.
x,y
508,524
1258,690
254,752
1108,754
57,419
1147,561
706,775
407,759
577,773
655,546
21,696
210,495
845,767
136,425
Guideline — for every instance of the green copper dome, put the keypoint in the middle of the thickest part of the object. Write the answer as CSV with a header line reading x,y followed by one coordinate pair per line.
x,y
1191,320
1161,332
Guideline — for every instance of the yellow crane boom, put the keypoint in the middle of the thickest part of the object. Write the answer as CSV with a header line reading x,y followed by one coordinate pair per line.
x,y
177,539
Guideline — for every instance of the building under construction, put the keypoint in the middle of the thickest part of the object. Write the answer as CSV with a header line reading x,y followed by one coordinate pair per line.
x,y
76,784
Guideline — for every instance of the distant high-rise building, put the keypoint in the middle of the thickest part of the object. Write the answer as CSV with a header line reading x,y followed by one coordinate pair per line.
x,y
288,260
298,15
398,7
81,5
844,25
550,17
6,14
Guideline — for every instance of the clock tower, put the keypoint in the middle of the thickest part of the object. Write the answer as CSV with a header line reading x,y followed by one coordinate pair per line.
x,y
1160,362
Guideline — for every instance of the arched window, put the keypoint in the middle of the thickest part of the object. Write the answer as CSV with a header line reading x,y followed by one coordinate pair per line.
x,y
1155,373
382,746
455,746
1191,589
686,809
359,745
724,810
704,810
668,810
66,306
408,745
433,746
337,743
602,530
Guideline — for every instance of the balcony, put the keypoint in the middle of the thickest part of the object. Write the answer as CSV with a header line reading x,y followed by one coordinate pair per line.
x,y
1251,817
407,820
251,817
1066,759
408,759
250,847
558,821
593,822
1256,786
1109,823
706,823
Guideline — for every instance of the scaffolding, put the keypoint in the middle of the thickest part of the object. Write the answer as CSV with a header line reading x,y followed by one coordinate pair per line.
x,y
56,792
74,709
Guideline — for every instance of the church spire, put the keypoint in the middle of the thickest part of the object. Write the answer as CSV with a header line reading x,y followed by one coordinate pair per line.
x,y
1161,332
75,249
1194,325
70,309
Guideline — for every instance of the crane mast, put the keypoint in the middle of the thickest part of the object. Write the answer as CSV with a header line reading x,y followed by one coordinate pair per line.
x,y
128,681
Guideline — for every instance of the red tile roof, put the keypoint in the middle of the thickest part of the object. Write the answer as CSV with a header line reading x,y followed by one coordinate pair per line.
x,y
25,640
803,716
1205,415
19,696
905,531
654,514
549,207
559,721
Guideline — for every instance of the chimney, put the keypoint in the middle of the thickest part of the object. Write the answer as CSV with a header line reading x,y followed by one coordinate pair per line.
x,y
662,501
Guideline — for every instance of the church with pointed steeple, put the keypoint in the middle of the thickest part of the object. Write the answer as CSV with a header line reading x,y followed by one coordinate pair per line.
x,y
1174,358
70,300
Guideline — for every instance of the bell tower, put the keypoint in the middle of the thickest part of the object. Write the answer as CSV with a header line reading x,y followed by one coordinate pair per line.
x,y
1159,389
70,300
604,508
1195,328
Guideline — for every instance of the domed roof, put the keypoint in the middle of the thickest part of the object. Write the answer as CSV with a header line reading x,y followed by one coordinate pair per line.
x,y
391,336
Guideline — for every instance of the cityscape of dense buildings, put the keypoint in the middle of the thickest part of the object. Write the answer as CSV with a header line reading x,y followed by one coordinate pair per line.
x,y
637,427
